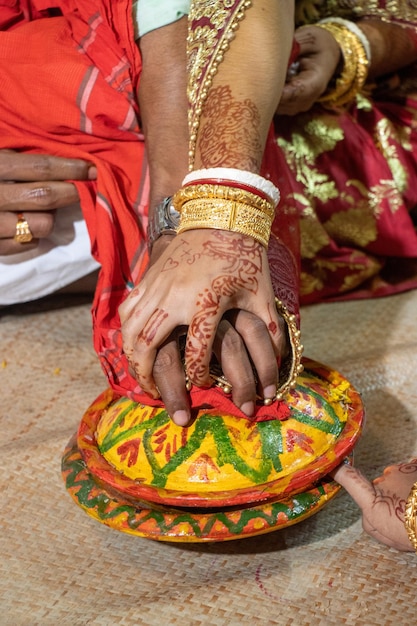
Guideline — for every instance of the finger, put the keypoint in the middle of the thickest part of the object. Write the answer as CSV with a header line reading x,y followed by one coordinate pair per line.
x,y
408,468
169,377
307,40
261,350
230,351
200,338
298,95
141,342
10,246
274,324
355,483
17,166
40,224
37,196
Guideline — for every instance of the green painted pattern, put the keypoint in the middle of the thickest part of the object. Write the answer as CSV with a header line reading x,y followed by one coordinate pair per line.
x,y
334,427
80,488
270,433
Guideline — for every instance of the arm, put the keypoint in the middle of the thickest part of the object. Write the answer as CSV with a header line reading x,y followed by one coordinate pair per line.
x,y
392,48
178,289
163,105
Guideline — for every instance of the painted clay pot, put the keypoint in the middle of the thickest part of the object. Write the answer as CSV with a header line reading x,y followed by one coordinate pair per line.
x,y
221,478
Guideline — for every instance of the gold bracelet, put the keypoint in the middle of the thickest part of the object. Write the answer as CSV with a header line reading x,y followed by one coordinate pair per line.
x,y
223,192
230,215
410,516
355,66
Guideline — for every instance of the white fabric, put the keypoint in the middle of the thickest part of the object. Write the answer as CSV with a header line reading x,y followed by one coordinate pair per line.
x,y
151,14
58,261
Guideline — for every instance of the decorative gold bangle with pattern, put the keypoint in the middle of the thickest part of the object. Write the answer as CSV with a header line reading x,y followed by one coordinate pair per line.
x,y
355,66
291,366
222,192
410,516
228,215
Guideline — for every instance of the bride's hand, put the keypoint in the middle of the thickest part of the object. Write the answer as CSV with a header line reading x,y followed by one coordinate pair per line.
x,y
214,285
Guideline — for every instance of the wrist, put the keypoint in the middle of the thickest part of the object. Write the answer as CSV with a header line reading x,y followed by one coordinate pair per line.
x,y
356,54
227,199
163,220
160,246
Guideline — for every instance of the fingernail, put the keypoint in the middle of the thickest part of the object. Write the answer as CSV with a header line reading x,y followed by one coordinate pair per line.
x,y
248,408
92,173
270,392
180,418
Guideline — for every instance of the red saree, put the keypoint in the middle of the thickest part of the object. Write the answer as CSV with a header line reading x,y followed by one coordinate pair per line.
x,y
353,176
77,98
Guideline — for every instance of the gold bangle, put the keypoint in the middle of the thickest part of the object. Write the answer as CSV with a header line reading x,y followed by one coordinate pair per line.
x,y
291,367
223,192
355,66
410,516
230,215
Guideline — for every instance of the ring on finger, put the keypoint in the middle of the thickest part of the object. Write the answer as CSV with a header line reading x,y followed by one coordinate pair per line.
x,y
23,233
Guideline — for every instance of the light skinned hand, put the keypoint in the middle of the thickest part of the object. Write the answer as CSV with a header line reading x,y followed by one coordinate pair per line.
x,y
383,501
319,57
215,285
35,185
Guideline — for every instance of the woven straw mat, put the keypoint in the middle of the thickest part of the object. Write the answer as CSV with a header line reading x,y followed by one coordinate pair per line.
x,y
60,567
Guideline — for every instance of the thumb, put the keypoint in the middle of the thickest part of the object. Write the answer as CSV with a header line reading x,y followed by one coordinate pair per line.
x,y
358,487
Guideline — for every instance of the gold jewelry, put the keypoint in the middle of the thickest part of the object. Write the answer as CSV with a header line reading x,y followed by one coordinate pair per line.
x,y
355,66
291,367
228,215
23,233
410,516
223,192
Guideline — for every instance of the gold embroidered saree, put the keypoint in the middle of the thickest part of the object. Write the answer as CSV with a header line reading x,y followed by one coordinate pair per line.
x,y
352,176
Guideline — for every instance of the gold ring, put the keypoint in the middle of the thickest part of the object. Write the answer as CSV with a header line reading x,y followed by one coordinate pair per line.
x,y
23,233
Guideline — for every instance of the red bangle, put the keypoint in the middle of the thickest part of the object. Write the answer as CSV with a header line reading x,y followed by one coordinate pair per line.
x,y
230,183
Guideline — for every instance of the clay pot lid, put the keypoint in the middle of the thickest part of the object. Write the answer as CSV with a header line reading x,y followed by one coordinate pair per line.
x,y
221,460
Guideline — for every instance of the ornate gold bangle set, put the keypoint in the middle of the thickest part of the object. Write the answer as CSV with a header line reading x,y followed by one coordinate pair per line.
x,y
356,52
226,208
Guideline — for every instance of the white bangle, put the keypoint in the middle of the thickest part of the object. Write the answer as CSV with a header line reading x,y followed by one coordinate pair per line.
x,y
354,28
239,176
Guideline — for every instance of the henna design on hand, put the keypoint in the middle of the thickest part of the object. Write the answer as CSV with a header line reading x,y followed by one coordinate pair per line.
x,y
394,504
231,135
152,326
242,267
408,468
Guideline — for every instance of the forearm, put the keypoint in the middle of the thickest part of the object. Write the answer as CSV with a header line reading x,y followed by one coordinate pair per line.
x,y
392,47
250,81
163,107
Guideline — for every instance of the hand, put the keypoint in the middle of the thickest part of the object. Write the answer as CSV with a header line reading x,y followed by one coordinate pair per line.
x,y
33,184
317,63
383,501
221,280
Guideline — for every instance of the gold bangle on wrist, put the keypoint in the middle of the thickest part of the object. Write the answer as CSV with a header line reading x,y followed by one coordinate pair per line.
x,y
410,516
355,66
222,192
230,215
